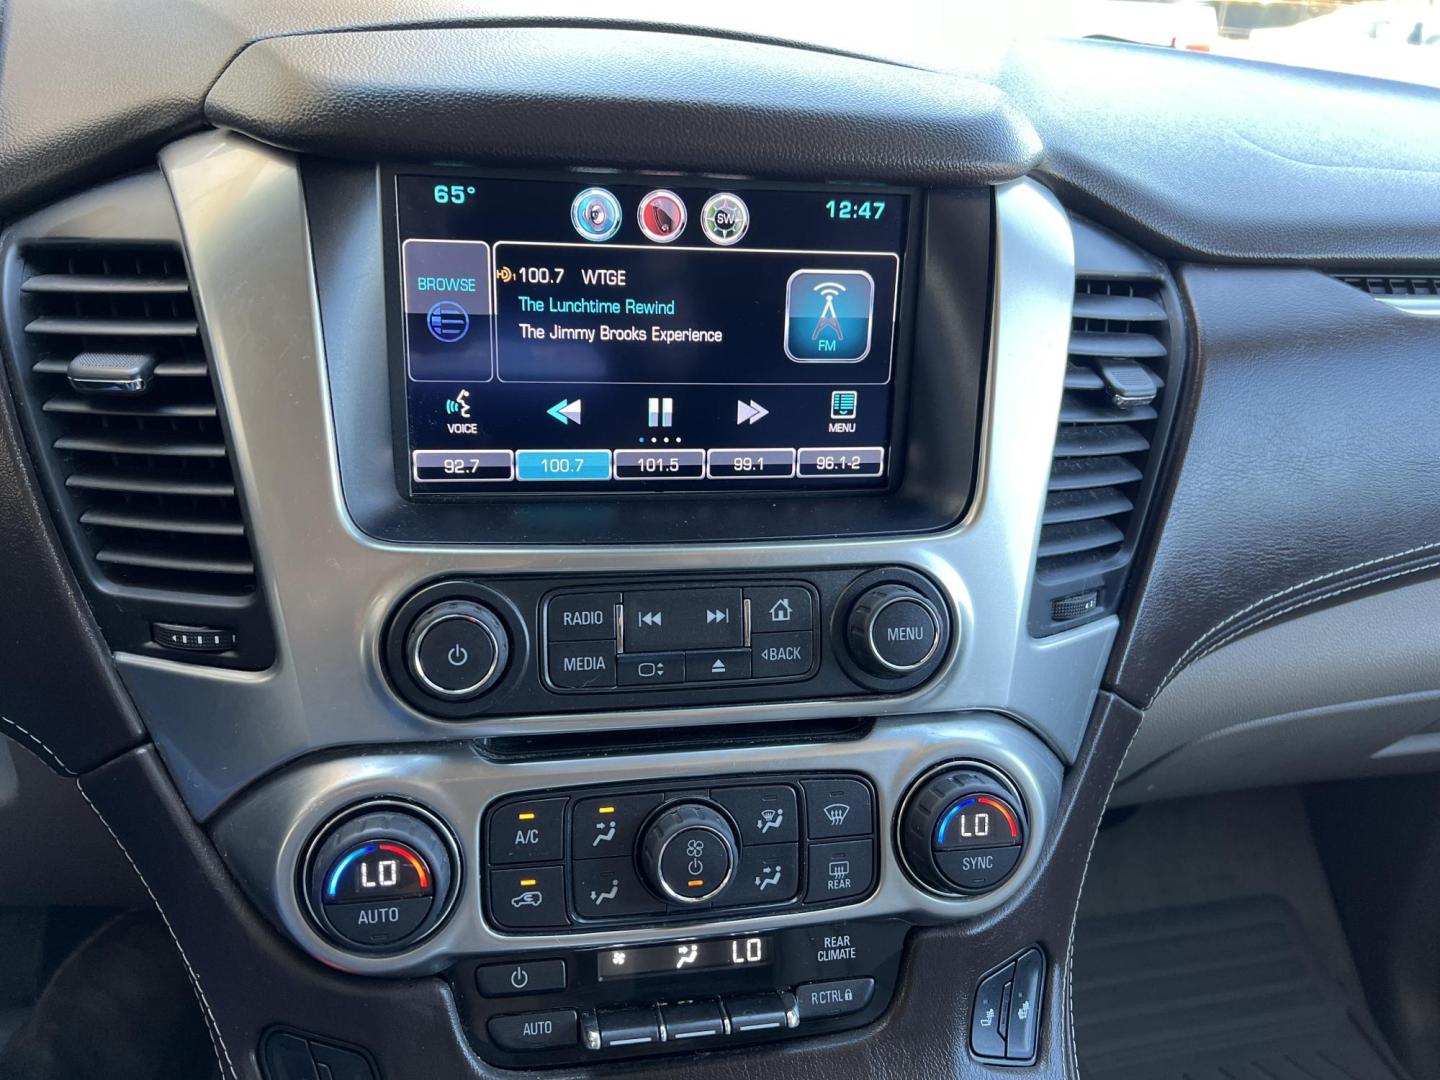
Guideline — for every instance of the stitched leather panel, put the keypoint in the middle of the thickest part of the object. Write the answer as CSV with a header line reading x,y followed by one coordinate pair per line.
x,y
1309,465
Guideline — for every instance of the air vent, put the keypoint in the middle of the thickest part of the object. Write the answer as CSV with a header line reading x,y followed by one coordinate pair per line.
x,y
113,385
1117,395
147,473
1386,285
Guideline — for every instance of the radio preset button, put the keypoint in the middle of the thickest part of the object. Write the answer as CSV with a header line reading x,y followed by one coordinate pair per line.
x,y
581,617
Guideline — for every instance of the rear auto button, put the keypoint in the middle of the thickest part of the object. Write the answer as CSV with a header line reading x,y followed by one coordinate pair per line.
x,y
536,1030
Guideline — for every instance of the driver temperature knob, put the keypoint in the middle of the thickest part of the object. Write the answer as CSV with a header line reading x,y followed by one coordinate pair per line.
x,y
689,853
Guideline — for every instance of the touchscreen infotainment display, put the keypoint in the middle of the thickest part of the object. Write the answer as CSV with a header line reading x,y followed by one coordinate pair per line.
x,y
581,334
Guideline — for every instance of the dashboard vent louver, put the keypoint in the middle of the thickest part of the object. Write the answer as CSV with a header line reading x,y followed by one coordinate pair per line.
x,y
146,474
1389,285
1117,395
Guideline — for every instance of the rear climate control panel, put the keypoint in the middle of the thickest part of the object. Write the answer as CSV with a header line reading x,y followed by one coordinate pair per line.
x,y
465,648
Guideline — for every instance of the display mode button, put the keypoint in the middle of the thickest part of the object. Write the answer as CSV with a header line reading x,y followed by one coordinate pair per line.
x,y
651,669
553,465
582,665
684,619
581,617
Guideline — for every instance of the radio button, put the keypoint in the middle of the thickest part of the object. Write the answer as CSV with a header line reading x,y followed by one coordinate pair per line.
x,y
778,656
581,617
684,619
651,669
777,608
717,665
582,665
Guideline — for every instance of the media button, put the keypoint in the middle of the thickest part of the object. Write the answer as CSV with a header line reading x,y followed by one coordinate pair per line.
x,y
842,461
684,619
773,463
582,665
659,464
651,669
581,617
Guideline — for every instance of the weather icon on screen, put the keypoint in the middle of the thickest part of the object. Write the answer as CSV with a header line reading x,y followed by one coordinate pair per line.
x,y
828,316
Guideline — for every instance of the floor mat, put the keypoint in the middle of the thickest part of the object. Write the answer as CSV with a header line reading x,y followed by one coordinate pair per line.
x,y
1230,990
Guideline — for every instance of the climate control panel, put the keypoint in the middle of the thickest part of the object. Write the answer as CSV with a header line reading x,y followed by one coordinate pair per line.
x,y
712,847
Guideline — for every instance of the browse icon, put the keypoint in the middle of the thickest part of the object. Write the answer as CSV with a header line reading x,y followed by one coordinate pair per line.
x,y
837,812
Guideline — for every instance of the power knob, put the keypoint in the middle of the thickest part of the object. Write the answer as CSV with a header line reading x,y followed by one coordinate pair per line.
x,y
457,649
689,853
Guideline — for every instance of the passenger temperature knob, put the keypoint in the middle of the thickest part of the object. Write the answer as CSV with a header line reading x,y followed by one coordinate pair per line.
x,y
962,830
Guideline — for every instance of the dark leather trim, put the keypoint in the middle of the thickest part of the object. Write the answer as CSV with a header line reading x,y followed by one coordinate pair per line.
x,y
59,694
625,98
248,978
1309,466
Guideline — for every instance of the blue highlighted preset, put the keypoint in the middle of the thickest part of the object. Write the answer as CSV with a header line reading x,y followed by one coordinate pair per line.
x,y
562,464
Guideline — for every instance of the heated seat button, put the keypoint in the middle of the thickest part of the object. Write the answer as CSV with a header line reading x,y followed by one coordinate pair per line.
x,y
684,619
838,997
536,1030
779,608
529,831
581,617
606,888
840,871
524,977
779,656
838,807
987,1019
1022,1037
531,898
582,665
692,1020
629,1027
605,827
